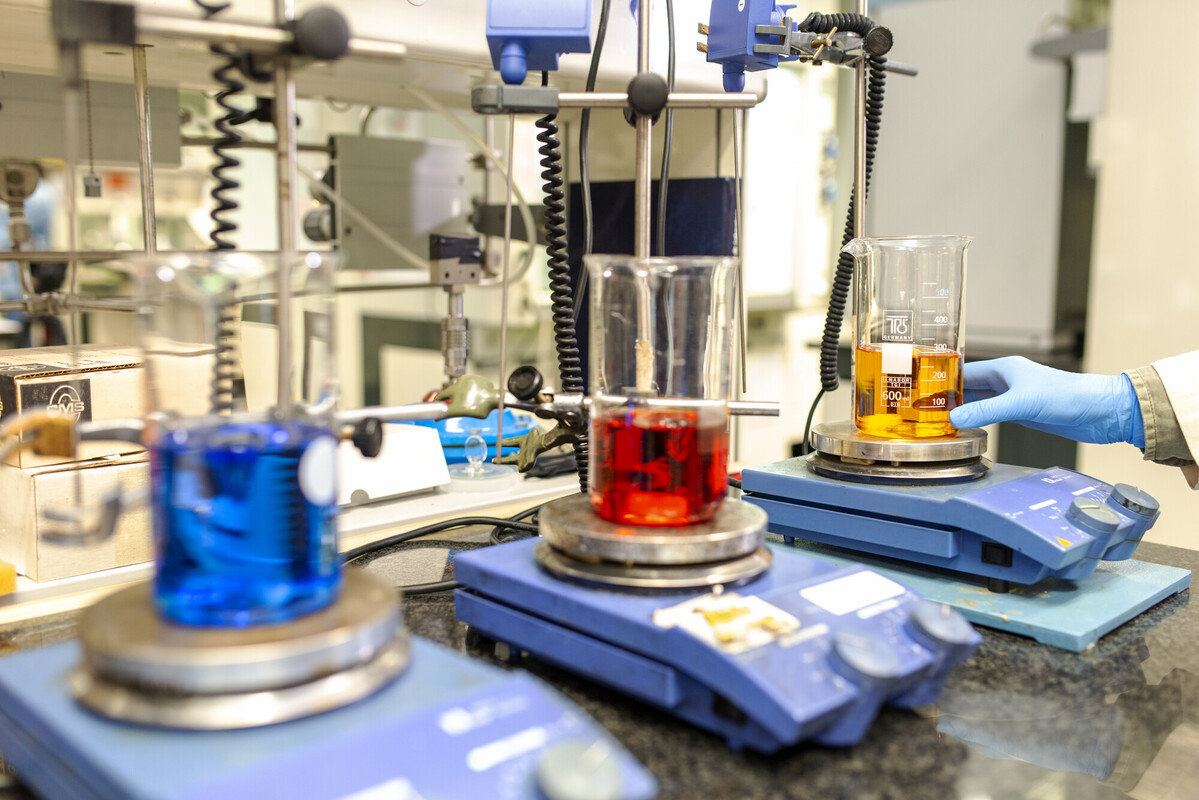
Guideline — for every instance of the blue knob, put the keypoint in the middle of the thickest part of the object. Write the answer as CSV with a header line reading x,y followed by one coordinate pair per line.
x,y
514,62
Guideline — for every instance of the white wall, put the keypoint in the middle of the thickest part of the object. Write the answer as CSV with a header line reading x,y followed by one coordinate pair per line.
x,y
973,145
1144,300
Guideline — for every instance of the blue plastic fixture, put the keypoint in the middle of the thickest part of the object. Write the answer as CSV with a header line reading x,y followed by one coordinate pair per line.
x,y
454,432
731,38
530,34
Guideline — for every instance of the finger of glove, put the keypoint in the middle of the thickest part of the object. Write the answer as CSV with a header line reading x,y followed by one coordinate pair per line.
x,y
1005,407
997,375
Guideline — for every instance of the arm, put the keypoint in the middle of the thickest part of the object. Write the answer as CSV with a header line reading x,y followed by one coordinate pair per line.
x,y
1155,408
1168,392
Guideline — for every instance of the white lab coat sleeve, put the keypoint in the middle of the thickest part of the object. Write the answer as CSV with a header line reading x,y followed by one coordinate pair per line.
x,y
1180,377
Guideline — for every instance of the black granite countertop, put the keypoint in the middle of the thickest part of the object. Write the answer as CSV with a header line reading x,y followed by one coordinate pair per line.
x,y
1019,720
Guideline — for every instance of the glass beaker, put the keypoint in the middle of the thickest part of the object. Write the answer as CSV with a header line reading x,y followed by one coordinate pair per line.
x,y
243,486
908,333
659,383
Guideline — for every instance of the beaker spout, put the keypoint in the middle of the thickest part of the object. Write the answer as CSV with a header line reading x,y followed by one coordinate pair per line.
x,y
857,248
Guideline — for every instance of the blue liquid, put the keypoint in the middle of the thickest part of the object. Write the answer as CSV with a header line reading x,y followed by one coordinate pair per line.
x,y
239,541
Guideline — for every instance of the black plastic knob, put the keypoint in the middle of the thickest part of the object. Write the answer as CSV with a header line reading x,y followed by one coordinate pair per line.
x,y
878,41
368,437
648,94
525,382
322,33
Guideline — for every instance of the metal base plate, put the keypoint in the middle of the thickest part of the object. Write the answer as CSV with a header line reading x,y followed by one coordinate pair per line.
x,y
882,472
139,668
572,527
684,576
843,451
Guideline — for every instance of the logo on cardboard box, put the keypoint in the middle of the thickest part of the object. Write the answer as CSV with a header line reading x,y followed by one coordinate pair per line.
x,y
72,398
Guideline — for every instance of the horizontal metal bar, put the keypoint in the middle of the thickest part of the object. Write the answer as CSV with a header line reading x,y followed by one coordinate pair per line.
x,y
212,31
209,141
673,100
26,256
753,408
13,305
252,37
408,413
114,255
111,430
377,49
101,304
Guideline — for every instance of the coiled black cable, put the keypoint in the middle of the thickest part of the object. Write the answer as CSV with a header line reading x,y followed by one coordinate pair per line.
x,y
561,296
224,370
843,276
226,76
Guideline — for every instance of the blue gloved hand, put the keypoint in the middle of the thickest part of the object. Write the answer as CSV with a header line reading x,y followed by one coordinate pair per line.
x,y
1087,408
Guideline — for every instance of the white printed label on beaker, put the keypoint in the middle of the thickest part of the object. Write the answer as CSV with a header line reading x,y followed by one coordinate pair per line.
x,y
897,358
318,471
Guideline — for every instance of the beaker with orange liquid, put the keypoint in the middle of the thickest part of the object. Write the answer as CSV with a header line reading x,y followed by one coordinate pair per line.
x,y
908,343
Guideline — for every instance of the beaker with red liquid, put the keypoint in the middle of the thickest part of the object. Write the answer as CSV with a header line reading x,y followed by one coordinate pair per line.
x,y
660,351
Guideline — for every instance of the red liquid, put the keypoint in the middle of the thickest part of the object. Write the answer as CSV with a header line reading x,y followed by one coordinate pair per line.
x,y
658,466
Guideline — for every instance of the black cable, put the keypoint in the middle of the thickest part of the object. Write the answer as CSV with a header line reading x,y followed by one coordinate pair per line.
x,y
497,533
429,588
843,276
735,483
668,137
804,447
584,157
225,76
570,367
435,527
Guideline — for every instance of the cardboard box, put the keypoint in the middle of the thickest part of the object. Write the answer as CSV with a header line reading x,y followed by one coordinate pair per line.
x,y
92,382
96,383
25,493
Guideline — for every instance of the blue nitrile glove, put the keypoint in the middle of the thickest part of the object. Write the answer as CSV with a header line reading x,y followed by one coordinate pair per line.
x,y
1087,408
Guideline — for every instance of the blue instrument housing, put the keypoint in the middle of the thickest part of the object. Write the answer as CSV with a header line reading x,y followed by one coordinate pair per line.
x,y
1015,523
530,34
731,38
449,726
824,682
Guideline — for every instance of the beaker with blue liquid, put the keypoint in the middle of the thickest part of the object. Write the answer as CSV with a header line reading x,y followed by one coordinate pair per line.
x,y
243,496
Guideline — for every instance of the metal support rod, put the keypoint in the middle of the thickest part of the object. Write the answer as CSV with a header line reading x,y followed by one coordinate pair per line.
x,y
141,97
753,408
644,158
859,141
285,157
262,38
693,100
209,141
408,413
499,428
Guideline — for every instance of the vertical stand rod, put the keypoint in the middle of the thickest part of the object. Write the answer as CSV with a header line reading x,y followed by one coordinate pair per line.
x,y
644,157
286,160
141,97
859,140
503,384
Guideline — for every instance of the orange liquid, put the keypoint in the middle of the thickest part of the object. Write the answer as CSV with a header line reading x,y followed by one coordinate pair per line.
x,y
913,406
658,466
